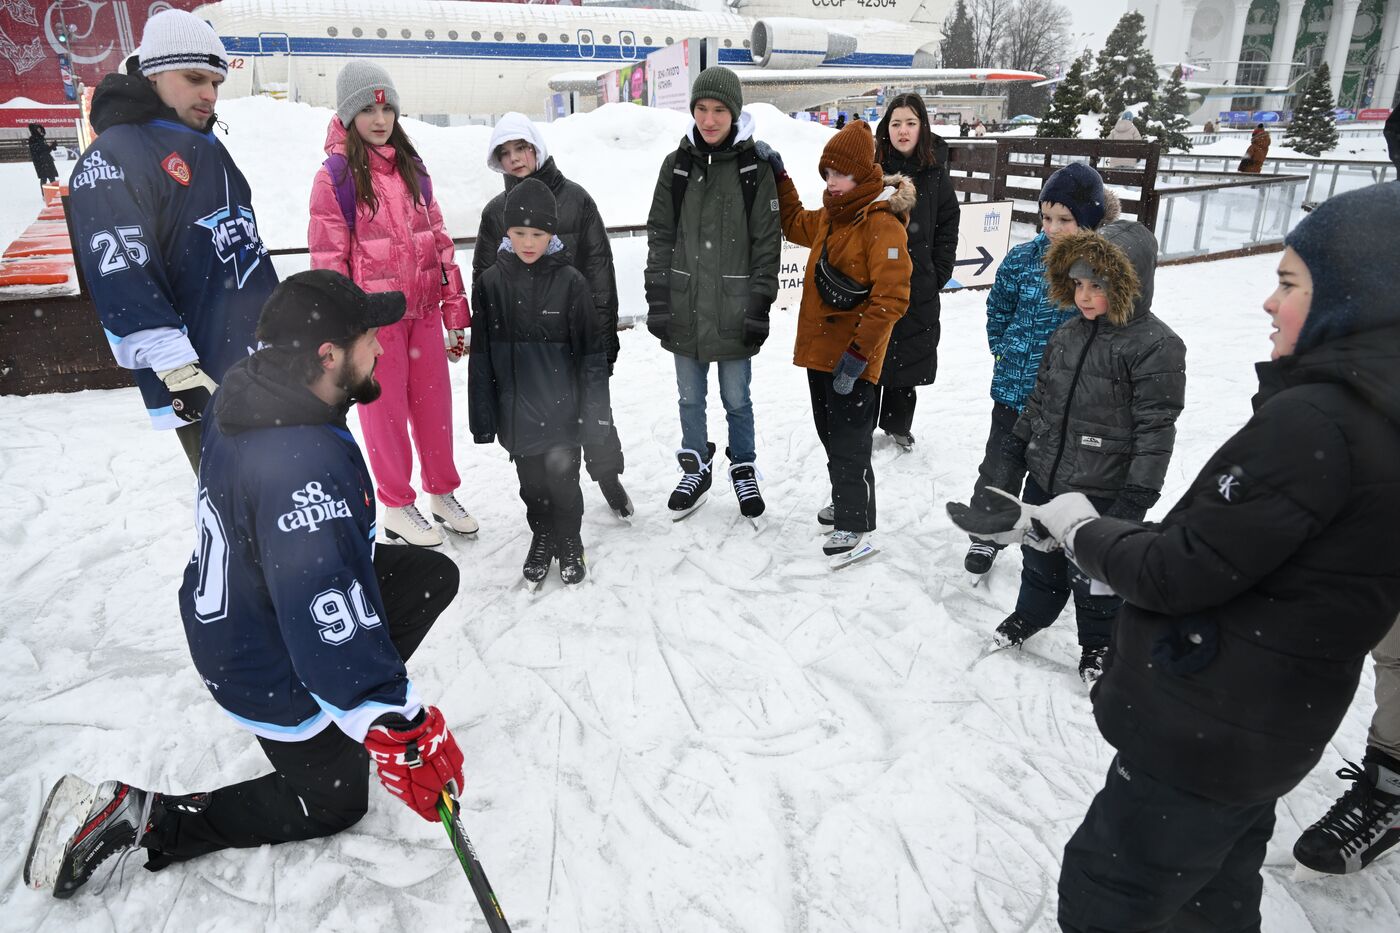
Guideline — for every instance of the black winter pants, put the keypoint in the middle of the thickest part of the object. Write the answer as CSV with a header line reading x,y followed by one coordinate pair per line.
x,y
994,470
604,459
1048,581
846,425
897,409
549,488
1152,858
320,786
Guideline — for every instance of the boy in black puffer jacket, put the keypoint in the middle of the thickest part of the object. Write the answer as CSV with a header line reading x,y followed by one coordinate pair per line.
x,y
539,375
1101,419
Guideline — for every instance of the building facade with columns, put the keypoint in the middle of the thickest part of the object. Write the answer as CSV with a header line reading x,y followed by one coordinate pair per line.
x,y
1274,42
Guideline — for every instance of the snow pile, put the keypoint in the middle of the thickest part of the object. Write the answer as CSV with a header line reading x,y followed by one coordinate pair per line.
x,y
615,152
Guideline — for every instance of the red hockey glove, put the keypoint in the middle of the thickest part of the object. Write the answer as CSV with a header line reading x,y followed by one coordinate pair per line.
x,y
416,759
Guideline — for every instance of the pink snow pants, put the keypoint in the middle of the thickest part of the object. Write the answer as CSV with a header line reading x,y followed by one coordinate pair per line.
x,y
418,395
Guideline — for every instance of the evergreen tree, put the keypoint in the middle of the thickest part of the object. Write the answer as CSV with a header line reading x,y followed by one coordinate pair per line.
x,y
1062,120
1126,75
958,45
1313,129
1166,118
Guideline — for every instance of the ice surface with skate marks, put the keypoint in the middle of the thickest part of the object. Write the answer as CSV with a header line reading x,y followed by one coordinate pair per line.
x,y
716,733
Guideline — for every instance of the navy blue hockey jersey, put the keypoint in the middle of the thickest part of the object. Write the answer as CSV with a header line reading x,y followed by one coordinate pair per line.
x,y
164,230
280,601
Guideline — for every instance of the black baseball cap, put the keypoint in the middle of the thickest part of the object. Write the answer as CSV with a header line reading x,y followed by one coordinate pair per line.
x,y
309,308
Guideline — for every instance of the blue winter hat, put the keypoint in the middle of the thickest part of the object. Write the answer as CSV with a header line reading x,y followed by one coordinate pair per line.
x,y
1353,289
1079,188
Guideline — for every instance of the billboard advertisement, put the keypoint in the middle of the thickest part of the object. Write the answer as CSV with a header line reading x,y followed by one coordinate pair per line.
x,y
46,44
672,70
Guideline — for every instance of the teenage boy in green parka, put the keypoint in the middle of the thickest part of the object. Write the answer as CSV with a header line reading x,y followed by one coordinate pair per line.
x,y
711,276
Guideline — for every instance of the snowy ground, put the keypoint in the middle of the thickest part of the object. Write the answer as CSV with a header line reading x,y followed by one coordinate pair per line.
x,y
713,733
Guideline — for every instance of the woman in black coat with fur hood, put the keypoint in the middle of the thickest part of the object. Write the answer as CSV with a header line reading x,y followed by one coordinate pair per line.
x,y
41,154
906,145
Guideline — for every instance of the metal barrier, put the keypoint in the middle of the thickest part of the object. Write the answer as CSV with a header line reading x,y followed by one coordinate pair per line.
x,y
1226,214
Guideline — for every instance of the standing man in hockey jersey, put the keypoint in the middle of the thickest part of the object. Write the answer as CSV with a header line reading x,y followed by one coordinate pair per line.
x,y
164,228
297,624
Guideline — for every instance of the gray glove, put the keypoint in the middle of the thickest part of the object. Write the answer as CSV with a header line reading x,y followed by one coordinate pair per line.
x,y
770,155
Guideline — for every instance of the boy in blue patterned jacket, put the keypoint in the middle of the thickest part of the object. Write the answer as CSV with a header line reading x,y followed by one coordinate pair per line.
x,y
1021,318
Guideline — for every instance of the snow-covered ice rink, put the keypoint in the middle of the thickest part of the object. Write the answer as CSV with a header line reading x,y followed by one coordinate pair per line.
x,y
713,733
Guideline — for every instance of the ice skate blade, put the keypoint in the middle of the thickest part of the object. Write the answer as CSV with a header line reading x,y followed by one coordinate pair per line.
x,y
391,537
678,515
63,812
1302,872
469,535
853,556
533,586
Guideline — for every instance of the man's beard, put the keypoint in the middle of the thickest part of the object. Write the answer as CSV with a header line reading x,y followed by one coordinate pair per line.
x,y
360,388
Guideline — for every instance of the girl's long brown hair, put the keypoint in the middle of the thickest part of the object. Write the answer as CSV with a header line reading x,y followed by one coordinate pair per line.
x,y
923,149
406,159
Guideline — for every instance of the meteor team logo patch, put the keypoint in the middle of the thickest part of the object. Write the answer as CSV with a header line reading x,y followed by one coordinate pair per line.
x,y
177,168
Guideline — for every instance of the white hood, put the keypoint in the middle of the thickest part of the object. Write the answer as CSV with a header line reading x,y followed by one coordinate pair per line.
x,y
745,131
511,127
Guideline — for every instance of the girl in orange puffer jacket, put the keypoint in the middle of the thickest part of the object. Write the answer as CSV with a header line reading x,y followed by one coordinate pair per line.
x,y
374,219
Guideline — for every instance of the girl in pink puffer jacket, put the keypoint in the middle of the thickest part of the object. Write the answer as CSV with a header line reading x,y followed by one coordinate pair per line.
x,y
373,218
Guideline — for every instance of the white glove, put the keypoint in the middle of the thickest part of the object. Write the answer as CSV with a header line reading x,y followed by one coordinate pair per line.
x,y
1065,514
190,390
457,341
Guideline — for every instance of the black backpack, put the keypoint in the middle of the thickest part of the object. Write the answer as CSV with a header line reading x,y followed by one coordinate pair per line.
x,y
748,180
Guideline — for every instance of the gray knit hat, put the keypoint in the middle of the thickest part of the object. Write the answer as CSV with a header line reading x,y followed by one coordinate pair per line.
x,y
359,84
721,84
176,40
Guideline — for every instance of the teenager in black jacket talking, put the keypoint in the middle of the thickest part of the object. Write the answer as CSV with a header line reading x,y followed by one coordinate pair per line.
x,y
1249,609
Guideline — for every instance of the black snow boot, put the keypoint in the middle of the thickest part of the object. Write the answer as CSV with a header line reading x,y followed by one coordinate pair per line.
x,y
537,561
690,492
1362,824
744,478
572,568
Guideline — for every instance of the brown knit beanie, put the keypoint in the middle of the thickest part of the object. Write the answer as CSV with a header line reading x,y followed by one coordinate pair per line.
x,y
851,152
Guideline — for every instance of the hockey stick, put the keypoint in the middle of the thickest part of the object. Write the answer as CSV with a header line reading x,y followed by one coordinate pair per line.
x,y
448,809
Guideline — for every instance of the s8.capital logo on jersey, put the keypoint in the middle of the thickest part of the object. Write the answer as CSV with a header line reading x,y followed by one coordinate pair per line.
x,y
311,506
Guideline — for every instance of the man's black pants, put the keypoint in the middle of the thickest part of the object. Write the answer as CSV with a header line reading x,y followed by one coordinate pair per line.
x,y
549,488
604,459
897,409
846,425
320,786
994,469
1152,858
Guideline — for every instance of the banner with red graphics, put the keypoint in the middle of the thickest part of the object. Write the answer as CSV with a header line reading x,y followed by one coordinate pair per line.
x,y
37,68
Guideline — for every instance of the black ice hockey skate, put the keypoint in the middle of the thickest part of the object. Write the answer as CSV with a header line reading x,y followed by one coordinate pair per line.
x,y
616,496
572,567
537,561
744,478
1361,825
691,491
80,827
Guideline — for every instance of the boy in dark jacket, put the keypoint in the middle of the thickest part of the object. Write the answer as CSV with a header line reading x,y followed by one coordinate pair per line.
x,y
1101,419
1250,607
518,152
539,375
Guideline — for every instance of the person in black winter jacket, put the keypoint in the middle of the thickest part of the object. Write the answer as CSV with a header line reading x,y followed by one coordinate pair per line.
x,y
518,151
539,375
906,145
41,154
1101,419
1249,609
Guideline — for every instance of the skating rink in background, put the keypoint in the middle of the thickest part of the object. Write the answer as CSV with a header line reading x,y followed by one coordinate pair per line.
x,y
713,733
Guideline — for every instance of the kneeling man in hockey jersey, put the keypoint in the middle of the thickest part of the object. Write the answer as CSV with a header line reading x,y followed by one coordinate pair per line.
x,y
297,624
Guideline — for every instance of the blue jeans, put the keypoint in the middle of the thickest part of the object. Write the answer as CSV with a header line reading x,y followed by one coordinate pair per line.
x,y
692,383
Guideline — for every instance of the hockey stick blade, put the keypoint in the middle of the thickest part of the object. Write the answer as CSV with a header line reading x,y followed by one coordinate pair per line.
x,y
449,810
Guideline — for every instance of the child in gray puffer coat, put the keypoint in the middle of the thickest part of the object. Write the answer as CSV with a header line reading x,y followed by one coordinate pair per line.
x,y
1101,419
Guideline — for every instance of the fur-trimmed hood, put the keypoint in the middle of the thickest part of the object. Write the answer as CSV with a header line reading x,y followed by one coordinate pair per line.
x,y
1122,253
901,193
1112,208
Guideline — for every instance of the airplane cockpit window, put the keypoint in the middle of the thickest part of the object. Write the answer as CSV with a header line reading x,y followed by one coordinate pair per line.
x,y
332,31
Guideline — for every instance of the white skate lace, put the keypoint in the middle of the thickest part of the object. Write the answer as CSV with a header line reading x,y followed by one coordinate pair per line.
x,y
843,537
984,550
416,518
452,507
746,487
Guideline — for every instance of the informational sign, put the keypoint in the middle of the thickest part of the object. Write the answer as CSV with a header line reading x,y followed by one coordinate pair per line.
x,y
1232,117
557,107
1267,116
1374,114
1344,115
984,236
670,73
